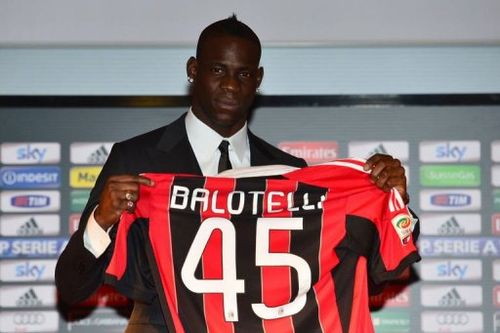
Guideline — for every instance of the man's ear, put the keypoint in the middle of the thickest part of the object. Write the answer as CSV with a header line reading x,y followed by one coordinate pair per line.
x,y
260,76
192,68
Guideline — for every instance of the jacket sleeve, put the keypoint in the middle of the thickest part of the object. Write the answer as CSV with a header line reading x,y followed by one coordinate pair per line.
x,y
78,272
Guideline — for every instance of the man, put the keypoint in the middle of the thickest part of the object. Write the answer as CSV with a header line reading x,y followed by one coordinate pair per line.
x,y
224,76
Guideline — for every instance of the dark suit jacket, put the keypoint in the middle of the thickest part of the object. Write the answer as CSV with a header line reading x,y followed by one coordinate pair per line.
x,y
167,149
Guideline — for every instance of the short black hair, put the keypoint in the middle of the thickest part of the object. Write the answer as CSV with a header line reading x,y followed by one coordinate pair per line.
x,y
230,26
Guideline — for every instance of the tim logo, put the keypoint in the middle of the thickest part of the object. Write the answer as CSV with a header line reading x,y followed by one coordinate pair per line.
x,y
30,201
451,200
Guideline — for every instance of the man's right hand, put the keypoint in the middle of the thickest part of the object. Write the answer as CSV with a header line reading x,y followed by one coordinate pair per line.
x,y
120,193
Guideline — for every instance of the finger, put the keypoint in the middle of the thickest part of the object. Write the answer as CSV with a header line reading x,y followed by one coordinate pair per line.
x,y
374,160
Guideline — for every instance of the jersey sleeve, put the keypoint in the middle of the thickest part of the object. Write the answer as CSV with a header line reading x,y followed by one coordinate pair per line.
x,y
392,248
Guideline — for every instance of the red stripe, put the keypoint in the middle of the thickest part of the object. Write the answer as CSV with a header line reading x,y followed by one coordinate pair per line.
x,y
160,236
332,231
360,317
276,281
212,257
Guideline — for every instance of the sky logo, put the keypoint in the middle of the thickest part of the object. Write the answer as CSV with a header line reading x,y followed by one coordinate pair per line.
x,y
31,153
30,201
451,270
450,151
27,270
29,177
442,200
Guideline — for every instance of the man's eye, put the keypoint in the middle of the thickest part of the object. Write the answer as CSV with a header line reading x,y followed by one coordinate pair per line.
x,y
245,75
216,70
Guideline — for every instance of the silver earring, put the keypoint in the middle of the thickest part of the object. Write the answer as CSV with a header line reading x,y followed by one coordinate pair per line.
x,y
190,79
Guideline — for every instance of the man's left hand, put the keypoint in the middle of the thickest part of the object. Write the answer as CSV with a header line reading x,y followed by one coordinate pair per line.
x,y
387,172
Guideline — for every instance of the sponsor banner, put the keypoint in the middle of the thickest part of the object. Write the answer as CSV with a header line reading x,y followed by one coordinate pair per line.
x,y
495,151
27,225
312,151
496,296
451,270
29,201
450,199
105,296
452,321
30,177
32,247
450,175
496,322
495,175
456,296
393,295
391,322
31,153
365,149
459,246
27,270
83,177
495,224
29,321
28,296
496,199
103,320
496,270
90,152
74,221
79,199
450,151
450,224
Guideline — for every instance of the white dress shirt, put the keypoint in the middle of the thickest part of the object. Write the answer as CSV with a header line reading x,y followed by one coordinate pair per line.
x,y
205,142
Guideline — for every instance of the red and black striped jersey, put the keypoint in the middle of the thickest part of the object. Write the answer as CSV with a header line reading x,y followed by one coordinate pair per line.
x,y
292,252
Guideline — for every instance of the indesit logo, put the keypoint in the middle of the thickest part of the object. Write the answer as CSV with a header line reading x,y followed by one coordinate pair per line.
x,y
312,151
450,200
29,177
30,201
450,151
31,153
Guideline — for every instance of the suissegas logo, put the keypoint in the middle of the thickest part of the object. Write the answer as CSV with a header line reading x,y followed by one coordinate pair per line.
x,y
29,177
79,200
31,153
450,151
450,175
84,177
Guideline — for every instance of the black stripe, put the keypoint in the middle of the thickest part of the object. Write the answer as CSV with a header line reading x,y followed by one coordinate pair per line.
x,y
246,269
305,244
183,226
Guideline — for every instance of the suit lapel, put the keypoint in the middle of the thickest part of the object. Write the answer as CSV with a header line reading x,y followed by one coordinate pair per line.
x,y
174,151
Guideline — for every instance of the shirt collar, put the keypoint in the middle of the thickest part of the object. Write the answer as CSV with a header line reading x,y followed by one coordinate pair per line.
x,y
205,141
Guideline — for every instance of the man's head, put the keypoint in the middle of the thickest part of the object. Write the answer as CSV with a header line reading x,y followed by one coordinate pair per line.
x,y
225,75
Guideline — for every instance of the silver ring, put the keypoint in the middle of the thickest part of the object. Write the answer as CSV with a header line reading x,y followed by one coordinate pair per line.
x,y
130,204
128,196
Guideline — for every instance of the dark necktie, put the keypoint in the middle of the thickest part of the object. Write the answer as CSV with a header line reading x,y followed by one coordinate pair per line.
x,y
224,162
